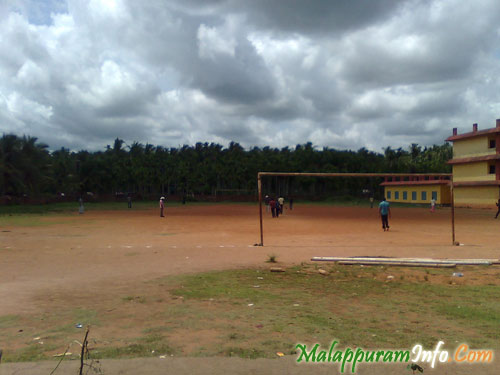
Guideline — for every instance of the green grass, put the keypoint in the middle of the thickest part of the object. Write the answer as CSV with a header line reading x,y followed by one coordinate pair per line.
x,y
27,220
146,346
7,321
33,352
253,313
72,207
349,305
68,207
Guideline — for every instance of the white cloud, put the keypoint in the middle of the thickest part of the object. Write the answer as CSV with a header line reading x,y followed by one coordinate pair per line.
x,y
80,73
213,41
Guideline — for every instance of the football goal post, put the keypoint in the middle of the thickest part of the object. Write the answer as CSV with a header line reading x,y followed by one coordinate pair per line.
x,y
260,175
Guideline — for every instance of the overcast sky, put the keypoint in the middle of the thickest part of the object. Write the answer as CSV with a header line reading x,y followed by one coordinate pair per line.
x,y
342,74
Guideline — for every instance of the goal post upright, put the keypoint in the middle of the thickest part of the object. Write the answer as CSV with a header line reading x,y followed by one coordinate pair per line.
x,y
452,199
259,188
381,175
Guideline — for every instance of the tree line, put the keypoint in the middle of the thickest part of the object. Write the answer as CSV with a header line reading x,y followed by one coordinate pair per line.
x,y
28,168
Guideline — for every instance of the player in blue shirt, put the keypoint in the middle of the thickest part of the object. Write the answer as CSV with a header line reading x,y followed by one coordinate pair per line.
x,y
385,212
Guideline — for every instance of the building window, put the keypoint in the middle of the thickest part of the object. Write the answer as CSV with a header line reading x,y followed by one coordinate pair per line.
x,y
435,195
405,195
424,196
493,144
413,195
388,194
492,168
396,195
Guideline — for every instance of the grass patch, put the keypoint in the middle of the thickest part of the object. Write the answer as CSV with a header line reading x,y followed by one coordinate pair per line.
x,y
138,299
86,317
350,305
71,207
33,352
139,349
8,321
27,220
249,353
253,313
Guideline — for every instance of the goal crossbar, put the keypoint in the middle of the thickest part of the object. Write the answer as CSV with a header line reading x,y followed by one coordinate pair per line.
x,y
382,175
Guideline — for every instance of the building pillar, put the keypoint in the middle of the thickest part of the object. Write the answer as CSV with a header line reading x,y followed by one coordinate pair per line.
x,y
497,151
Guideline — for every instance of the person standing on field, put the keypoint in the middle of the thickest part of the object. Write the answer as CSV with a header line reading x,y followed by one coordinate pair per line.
x,y
266,202
385,212
281,201
81,209
272,204
371,202
498,210
162,206
433,205
129,201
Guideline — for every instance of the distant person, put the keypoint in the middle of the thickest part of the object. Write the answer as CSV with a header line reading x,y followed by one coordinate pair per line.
x,y
371,202
385,212
278,208
433,205
266,202
498,208
81,209
290,203
129,201
281,201
162,206
272,204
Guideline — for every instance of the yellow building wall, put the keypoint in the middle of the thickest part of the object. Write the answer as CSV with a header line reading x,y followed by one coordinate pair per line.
x,y
472,172
443,193
477,146
476,195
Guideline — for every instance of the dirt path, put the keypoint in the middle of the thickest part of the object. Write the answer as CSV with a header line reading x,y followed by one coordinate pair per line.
x,y
234,366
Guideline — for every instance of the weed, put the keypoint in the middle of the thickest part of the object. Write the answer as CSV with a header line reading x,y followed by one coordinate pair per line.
x,y
271,258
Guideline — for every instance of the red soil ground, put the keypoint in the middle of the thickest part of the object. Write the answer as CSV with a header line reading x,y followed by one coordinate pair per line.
x,y
106,252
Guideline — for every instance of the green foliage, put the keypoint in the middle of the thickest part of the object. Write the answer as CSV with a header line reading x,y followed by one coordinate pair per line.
x,y
28,169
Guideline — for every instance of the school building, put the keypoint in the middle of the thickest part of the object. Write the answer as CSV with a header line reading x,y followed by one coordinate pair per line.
x,y
417,189
476,166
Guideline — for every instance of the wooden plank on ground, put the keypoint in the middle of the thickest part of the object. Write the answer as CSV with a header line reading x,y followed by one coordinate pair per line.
x,y
485,262
399,264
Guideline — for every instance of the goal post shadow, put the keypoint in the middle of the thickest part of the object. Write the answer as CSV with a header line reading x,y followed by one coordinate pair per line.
x,y
355,175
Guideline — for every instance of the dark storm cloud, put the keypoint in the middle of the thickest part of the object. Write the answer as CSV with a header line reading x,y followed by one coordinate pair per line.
x,y
242,78
316,16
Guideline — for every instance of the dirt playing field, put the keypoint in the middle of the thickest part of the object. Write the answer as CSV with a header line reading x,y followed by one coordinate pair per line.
x,y
115,249
66,261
